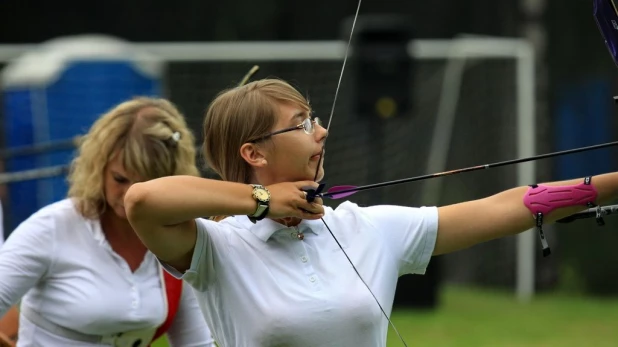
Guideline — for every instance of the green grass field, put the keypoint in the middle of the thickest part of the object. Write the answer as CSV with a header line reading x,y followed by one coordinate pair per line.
x,y
473,317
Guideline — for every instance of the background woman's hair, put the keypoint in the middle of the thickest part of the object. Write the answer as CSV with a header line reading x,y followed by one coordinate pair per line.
x,y
149,134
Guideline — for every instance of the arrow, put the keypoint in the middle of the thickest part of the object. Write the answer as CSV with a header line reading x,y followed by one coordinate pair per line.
x,y
342,191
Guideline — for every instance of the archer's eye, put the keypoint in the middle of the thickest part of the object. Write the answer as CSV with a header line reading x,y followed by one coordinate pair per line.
x,y
308,126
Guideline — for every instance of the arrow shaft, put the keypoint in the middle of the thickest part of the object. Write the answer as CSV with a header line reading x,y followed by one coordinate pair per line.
x,y
472,168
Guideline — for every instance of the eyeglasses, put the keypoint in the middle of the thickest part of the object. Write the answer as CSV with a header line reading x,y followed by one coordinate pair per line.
x,y
308,126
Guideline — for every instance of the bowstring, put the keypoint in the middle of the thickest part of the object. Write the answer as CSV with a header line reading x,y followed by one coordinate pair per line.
x,y
317,170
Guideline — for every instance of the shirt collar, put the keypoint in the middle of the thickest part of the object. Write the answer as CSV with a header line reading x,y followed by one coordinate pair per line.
x,y
97,231
266,227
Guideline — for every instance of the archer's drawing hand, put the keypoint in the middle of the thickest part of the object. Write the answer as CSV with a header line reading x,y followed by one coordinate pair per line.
x,y
288,199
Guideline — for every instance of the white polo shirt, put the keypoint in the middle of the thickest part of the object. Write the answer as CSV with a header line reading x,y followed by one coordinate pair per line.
x,y
260,285
64,268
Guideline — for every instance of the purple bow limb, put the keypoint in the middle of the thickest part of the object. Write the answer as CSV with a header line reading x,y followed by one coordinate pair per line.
x,y
606,16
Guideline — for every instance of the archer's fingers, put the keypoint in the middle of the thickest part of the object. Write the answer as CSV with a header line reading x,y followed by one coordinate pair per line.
x,y
311,207
307,185
310,215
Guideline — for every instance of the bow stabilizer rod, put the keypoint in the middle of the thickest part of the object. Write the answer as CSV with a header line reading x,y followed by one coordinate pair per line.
x,y
595,212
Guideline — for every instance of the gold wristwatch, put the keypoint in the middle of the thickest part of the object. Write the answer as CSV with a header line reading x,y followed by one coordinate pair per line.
x,y
262,197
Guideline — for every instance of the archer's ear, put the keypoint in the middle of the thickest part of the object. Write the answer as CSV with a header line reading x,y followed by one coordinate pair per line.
x,y
253,154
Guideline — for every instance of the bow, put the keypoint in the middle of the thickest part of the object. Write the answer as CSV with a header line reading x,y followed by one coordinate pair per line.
x,y
606,15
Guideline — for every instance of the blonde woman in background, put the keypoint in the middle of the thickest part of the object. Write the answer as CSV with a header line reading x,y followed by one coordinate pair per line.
x,y
83,276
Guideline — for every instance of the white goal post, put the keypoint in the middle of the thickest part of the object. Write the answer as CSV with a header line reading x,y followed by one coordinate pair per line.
x,y
451,50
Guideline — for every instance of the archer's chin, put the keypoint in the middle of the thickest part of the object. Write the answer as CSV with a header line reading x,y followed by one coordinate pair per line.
x,y
320,176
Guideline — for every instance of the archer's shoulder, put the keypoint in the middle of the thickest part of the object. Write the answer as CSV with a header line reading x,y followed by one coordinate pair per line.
x,y
346,209
384,213
349,207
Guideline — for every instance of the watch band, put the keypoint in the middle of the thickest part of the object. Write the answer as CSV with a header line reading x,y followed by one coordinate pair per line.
x,y
260,212
255,219
262,203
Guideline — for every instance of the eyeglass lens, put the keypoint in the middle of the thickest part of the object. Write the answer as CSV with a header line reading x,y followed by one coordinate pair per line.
x,y
308,124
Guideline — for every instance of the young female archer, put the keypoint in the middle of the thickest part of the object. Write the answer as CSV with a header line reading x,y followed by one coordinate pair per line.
x,y
271,274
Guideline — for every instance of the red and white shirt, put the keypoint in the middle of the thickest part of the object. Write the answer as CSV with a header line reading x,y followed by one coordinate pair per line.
x,y
60,265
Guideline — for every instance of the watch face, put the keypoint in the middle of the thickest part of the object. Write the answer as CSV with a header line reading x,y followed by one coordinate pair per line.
x,y
261,195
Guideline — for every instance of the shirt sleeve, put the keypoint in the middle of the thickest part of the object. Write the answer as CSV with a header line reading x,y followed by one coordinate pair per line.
x,y
409,233
201,273
189,329
25,258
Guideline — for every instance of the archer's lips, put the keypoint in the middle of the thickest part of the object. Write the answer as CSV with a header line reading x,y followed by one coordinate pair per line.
x,y
317,155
